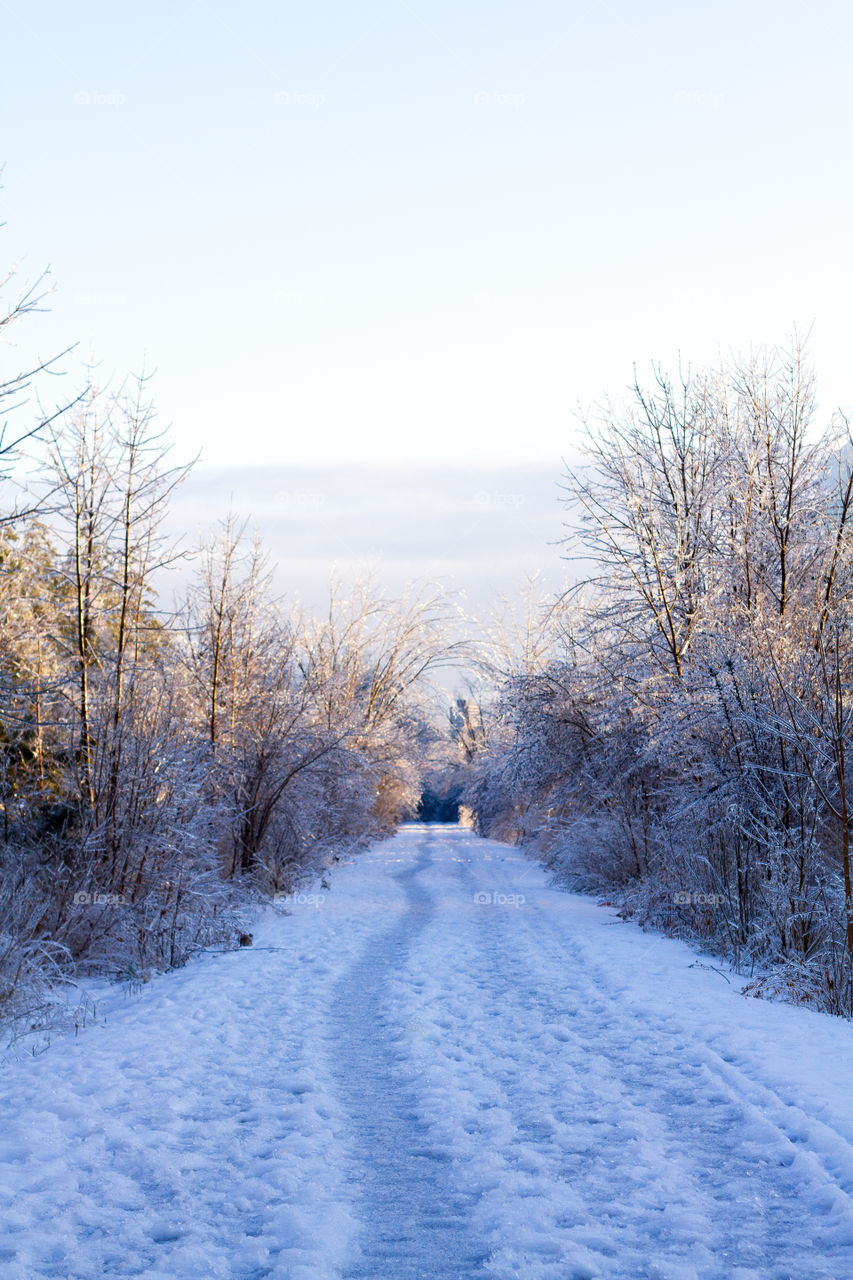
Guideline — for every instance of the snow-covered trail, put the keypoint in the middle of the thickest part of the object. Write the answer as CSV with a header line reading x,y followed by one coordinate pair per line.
x,y
440,1068
414,1219
611,1130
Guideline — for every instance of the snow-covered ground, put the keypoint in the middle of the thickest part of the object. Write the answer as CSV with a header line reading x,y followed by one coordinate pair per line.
x,y
438,1068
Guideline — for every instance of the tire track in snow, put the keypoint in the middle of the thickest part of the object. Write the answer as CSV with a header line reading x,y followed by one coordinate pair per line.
x,y
652,1093
414,1217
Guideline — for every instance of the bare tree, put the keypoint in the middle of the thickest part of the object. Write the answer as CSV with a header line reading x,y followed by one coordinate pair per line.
x,y
686,736
647,504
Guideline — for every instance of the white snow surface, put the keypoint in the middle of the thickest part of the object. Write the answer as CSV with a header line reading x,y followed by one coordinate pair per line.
x,y
439,1068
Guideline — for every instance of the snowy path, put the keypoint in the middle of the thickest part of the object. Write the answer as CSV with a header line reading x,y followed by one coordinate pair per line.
x,y
414,1220
443,1069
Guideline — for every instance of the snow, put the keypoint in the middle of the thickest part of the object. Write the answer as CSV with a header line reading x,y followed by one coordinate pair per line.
x,y
439,1067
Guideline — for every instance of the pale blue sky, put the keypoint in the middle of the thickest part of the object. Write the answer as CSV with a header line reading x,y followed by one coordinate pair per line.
x,y
480,531
401,231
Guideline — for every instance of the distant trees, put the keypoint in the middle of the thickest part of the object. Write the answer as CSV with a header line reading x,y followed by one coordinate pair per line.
x,y
158,765
161,766
678,730
688,736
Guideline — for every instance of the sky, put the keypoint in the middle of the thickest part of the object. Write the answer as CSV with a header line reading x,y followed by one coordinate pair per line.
x,y
485,534
424,234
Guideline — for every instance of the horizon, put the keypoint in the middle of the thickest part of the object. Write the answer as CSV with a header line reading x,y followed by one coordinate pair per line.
x,y
477,531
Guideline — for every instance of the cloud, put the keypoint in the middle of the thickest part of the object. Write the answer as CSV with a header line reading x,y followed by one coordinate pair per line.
x,y
479,530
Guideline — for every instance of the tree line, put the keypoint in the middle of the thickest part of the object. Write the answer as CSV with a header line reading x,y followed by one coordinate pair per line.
x,y
676,731
163,766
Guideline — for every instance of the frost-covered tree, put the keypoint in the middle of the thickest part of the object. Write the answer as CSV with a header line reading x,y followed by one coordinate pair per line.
x,y
687,737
